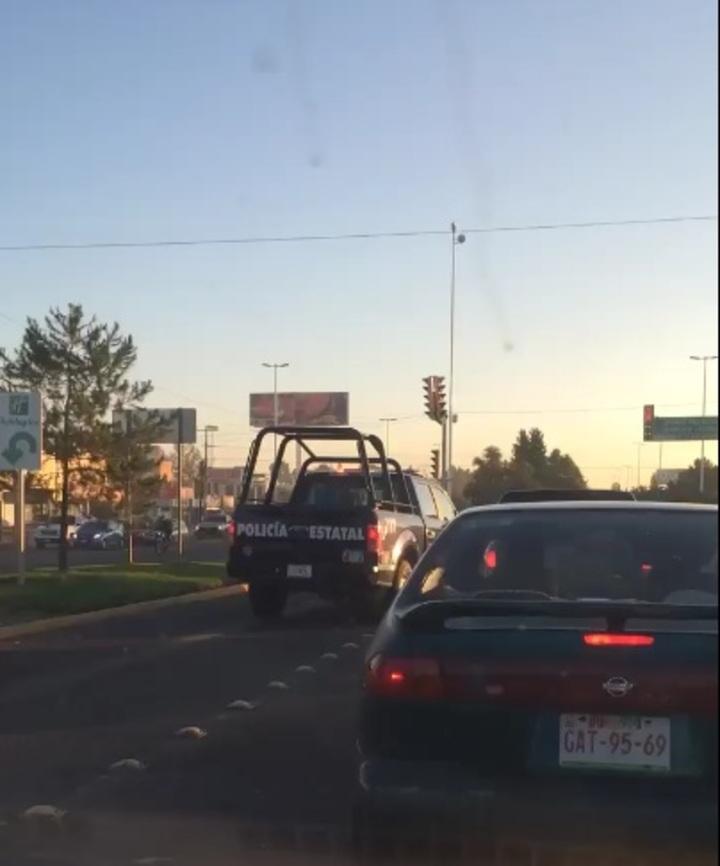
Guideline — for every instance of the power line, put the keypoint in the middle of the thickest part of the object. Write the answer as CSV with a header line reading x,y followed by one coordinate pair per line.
x,y
591,409
595,224
250,240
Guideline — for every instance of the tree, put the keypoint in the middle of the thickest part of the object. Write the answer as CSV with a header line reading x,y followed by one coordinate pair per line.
x,y
687,486
530,467
80,365
192,468
490,477
459,480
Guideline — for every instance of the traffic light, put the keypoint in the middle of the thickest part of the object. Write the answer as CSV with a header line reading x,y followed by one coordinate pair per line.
x,y
435,400
648,423
435,463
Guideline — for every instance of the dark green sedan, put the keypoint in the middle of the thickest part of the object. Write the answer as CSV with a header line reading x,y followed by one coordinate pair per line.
x,y
549,663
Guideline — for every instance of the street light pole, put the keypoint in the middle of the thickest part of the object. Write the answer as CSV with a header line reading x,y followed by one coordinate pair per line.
x,y
387,422
704,359
276,407
455,239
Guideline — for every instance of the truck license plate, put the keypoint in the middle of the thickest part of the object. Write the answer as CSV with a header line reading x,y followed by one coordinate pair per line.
x,y
299,571
615,742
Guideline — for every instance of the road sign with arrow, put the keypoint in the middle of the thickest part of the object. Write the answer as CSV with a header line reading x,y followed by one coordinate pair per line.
x,y
20,430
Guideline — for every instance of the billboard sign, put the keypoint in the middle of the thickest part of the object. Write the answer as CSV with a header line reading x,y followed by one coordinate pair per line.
x,y
20,430
173,425
306,408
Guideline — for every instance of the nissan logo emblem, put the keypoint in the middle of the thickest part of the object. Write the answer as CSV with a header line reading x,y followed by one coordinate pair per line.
x,y
618,687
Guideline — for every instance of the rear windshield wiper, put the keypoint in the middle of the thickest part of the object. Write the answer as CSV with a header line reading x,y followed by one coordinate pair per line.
x,y
435,612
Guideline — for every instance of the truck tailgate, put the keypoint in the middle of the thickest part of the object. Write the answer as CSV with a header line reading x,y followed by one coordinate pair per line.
x,y
268,539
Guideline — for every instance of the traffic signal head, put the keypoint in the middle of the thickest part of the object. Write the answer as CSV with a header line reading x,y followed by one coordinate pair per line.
x,y
434,396
648,422
435,463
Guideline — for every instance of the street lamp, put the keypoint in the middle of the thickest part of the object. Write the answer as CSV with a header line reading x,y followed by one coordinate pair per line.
x,y
456,239
276,409
704,359
387,422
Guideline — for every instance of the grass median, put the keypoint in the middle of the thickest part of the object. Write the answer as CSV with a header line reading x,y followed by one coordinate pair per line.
x,y
95,587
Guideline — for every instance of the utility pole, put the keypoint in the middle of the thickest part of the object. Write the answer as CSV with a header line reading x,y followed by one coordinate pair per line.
x,y
455,239
704,359
276,406
387,422
639,462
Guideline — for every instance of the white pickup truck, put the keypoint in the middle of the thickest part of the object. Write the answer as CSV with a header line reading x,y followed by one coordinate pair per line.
x,y
48,533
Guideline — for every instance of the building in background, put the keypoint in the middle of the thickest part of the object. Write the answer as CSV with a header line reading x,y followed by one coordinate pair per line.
x,y
224,484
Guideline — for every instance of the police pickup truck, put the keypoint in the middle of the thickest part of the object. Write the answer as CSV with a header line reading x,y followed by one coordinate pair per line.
x,y
351,533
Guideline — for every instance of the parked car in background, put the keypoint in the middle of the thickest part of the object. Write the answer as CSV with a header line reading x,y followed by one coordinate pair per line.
x,y
48,533
213,524
100,535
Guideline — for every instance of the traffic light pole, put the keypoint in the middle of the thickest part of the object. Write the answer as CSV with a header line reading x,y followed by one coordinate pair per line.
x,y
444,454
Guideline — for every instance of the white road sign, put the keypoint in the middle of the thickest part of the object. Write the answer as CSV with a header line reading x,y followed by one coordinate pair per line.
x,y
20,430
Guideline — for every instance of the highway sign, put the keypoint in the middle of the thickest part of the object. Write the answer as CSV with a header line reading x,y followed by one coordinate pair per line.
x,y
173,425
20,430
694,428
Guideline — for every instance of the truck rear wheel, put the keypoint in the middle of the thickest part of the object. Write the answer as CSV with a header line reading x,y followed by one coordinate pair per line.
x,y
267,598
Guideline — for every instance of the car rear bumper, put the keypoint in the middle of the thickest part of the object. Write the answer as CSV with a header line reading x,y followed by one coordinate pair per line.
x,y
677,809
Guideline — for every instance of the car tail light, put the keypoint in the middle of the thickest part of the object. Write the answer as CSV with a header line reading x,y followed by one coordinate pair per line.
x,y
232,526
603,639
372,538
405,678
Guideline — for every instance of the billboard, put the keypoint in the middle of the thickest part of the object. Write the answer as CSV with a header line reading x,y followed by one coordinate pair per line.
x,y
173,425
306,408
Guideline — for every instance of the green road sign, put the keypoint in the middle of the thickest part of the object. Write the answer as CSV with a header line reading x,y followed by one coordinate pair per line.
x,y
20,430
685,429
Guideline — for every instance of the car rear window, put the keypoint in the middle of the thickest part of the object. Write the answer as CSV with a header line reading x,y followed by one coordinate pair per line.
x,y
322,490
648,555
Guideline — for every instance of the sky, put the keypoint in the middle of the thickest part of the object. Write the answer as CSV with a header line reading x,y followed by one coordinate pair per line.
x,y
174,120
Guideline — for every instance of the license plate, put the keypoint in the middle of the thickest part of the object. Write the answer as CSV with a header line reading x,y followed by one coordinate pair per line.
x,y
299,571
615,742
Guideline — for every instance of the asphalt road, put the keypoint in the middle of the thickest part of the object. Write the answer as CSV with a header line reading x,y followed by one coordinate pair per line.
x,y
271,781
206,550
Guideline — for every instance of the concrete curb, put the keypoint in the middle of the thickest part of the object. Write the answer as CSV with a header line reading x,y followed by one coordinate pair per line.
x,y
40,626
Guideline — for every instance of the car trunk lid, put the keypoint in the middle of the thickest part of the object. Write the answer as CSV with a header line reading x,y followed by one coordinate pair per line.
x,y
598,687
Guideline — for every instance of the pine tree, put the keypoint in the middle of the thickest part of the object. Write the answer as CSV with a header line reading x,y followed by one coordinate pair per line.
x,y
80,366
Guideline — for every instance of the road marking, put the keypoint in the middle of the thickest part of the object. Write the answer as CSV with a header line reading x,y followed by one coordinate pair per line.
x,y
278,684
191,732
305,669
124,765
330,657
241,705
44,812
351,645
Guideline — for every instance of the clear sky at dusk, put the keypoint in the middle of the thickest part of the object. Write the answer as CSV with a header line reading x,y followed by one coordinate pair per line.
x,y
141,121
